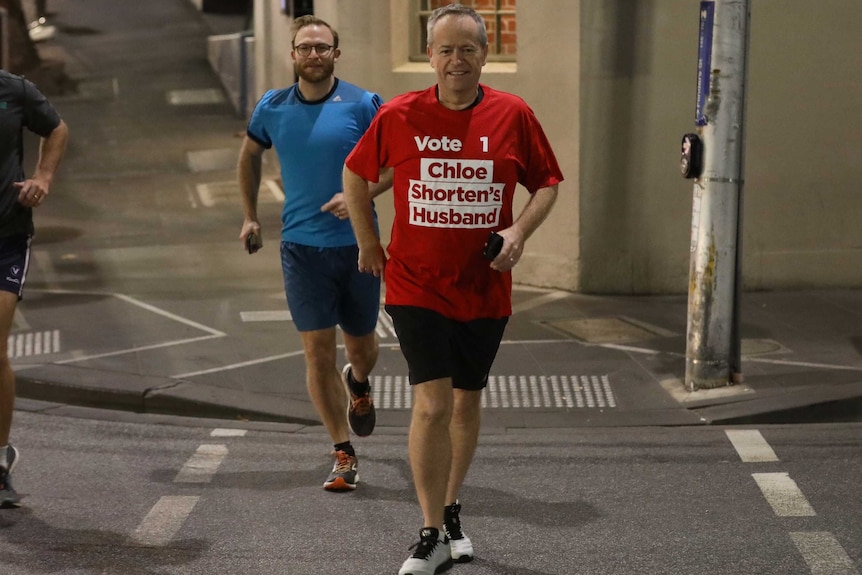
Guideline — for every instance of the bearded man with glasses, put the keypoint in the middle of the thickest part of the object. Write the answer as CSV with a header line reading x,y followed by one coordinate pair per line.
x,y
313,125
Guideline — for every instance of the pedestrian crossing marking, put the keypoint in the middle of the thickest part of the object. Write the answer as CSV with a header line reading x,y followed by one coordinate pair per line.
x,y
33,343
511,392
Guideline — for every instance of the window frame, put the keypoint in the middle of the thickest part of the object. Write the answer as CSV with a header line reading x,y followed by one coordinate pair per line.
x,y
418,31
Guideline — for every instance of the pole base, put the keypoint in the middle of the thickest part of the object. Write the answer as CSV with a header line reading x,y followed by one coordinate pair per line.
x,y
706,374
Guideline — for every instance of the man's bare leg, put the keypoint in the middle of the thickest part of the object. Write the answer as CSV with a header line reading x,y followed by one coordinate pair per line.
x,y
361,353
323,380
430,448
464,435
8,302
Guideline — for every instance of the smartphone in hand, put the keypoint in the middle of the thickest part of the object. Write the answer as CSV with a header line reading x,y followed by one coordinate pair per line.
x,y
253,242
493,246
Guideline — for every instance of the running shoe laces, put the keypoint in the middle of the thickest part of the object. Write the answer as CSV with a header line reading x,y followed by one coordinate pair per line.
x,y
343,462
427,544
361,404
453,521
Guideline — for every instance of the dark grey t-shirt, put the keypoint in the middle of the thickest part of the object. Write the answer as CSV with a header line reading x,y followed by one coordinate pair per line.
x,y
21,106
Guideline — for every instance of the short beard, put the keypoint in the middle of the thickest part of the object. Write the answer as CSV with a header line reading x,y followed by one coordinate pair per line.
x,y
315,75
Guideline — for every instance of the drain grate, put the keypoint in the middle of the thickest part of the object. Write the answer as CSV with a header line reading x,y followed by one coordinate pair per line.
x,y
512,392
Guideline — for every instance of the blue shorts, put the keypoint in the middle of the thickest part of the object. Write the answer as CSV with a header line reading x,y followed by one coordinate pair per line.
x,y
437,347
324,288
14,262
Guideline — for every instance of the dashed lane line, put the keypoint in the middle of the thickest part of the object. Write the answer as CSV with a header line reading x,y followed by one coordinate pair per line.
x,y
164,520
223,432
782,493
823,554
821,551
750,445
201,467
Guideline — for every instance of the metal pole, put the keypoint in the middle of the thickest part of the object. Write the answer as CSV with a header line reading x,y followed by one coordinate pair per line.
x,y
713,289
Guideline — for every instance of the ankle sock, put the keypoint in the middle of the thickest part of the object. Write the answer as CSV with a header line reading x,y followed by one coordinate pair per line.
x,y
346,448
357,387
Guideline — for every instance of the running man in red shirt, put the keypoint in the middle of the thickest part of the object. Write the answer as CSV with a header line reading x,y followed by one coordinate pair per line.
x,y
458,150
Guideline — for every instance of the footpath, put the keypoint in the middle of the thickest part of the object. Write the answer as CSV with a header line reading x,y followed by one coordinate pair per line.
x,y
141,298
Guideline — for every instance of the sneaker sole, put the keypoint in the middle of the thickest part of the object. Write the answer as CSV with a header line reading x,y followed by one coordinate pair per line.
x,y
10,504
339,484
441,568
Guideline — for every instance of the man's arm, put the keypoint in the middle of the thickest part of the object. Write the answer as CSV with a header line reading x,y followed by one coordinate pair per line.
x,y
372,258
532,216
383,184
248,170
33,191
337,204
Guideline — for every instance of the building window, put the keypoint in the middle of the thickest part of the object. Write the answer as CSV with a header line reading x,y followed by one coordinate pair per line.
x,y
499,18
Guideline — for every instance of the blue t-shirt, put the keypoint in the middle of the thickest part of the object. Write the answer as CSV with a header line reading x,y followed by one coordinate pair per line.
x,y
312,140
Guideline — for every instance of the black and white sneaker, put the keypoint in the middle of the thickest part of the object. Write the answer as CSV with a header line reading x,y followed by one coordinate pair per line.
x,y
8,496
431,554
462,547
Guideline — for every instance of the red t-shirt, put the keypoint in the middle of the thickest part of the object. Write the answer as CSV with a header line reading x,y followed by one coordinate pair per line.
x,y
455,177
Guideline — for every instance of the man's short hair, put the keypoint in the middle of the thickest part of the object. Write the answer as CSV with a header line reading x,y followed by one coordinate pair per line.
x,y
457,10
310,20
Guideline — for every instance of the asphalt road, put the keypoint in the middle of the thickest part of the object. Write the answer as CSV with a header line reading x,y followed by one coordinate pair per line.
x,y
119,493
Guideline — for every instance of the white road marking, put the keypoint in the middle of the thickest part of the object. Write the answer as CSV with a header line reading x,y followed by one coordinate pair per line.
x,y
194,97
239,365
539,301
783,495
804,364
750,445
274,189
33,343
823,553
511,391
212,333
164,520
222,432
201,467
268,315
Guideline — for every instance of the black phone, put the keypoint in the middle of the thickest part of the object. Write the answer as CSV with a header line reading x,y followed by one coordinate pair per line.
x,y
253,242
493,246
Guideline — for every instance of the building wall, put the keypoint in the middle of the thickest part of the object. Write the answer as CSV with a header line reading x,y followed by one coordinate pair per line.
x,y
375,58
803,155
613,83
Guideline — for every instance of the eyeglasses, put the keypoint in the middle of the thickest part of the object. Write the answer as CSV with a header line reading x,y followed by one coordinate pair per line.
x,y
322,50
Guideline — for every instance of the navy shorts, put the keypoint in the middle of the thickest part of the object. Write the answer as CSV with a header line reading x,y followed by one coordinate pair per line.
x,y
14,262
325,288
436,347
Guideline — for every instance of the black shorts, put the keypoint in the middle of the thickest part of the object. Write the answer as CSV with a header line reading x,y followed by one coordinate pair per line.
x,y
437,347
14,262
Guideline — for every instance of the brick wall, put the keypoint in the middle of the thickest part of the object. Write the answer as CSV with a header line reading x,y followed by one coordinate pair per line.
x,y
502,25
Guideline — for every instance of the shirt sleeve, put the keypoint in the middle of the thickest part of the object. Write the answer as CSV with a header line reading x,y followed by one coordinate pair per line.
x,y
40,117
365,160
257,126
541,167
